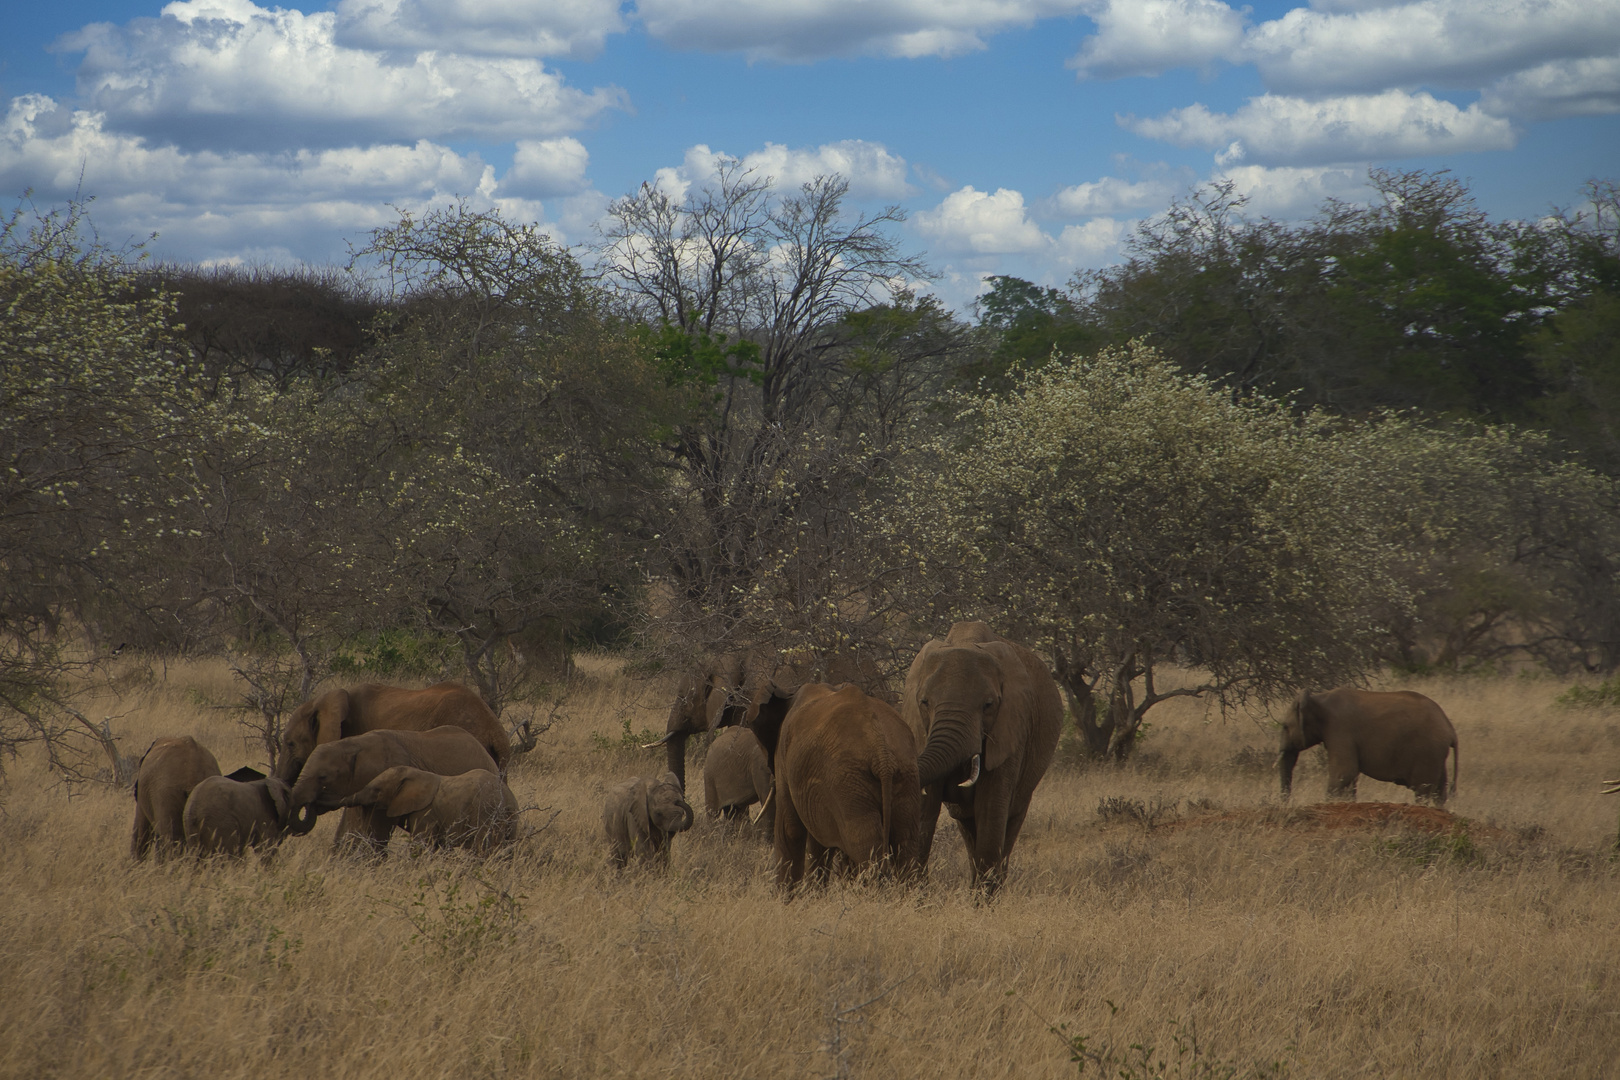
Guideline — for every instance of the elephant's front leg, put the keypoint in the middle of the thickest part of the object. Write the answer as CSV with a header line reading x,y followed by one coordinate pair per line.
x,y
933,797
989,851
366,833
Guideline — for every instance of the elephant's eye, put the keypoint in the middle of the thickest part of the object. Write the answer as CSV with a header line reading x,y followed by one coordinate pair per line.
x,y
924,703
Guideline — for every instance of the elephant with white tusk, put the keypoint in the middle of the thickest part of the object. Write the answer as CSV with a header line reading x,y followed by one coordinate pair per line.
x,y
337,770
737,775
987,716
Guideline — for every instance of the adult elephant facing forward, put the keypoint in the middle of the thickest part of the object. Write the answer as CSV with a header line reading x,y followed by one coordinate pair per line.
x,y
1400,738
987,715
342,714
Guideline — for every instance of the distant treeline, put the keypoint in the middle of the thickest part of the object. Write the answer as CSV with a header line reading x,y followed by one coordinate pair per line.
x,y
1279,453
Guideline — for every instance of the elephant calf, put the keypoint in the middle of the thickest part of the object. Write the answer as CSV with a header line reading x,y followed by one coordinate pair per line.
x,y
474,810
736,775
1400,738
169,771
226,815
846,780
642,816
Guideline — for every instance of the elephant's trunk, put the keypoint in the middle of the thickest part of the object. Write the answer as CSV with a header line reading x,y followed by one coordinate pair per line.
x,y
952,742
302,819
675,748
1285,769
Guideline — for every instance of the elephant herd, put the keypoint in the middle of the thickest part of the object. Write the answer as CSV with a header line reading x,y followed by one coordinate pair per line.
x,y
834,771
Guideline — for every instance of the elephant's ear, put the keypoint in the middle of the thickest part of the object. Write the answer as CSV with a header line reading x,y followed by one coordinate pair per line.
x,y
910,710
1015,720
330,714
413,793
279,794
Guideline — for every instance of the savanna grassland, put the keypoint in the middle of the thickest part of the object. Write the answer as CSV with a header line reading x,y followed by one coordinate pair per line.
x,y
1169,902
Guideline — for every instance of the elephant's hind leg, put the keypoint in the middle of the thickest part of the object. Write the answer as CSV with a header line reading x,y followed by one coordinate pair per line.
x,y
791,838
140,840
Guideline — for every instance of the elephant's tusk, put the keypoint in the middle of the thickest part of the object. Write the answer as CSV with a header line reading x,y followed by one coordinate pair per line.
x,y
1611,787
753,819
659,742
974,778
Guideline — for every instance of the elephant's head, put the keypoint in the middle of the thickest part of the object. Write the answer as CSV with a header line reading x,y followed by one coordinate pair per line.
x,y
1301,730
700,705
327,777
665,808
400,791
311,724
962,698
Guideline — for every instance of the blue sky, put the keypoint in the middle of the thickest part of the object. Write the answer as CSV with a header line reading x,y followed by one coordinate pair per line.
x,y
1021,136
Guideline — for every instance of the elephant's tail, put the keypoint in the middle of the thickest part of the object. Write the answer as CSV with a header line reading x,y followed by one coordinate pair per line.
x,y
1456,759
886,780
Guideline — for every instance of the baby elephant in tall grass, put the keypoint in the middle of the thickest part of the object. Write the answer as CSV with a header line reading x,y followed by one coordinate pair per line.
x,y
642,816
226,815
474,810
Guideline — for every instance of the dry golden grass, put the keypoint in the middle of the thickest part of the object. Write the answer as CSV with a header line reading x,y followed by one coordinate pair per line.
x,y
1324,954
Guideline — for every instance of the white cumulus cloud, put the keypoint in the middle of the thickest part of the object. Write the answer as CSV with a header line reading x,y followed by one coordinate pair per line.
x,y
804,30
1148,37
230,73
1110,195
871,169
211,205
1277,130
574,28
982,223
1447,43
1295,192
1562,88
547,167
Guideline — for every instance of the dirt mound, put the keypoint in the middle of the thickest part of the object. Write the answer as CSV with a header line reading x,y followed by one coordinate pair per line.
x,y
1343,816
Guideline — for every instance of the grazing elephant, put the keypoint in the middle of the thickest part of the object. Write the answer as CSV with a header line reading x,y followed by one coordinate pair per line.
x,y
475,810
226,815
1400,738
337,770
169,771
642,816
846,780
736,775
340,714
987,715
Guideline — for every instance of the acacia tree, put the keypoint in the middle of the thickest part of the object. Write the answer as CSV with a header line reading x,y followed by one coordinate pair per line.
x,y
91,392
1120,516
781,315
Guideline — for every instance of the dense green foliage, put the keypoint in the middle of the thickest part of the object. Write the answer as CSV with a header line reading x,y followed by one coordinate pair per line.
x,y
467,451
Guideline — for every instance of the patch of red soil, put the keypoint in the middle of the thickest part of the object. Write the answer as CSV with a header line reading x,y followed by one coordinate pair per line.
x,y
1342,816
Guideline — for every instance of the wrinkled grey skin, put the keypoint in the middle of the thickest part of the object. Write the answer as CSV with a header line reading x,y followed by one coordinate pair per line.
x,y
736,775
977,697
475,810
226,815
1399,738
641,816
168,773
340,769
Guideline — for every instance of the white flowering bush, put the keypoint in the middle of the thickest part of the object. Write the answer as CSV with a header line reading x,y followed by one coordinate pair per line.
x,y
1120,515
